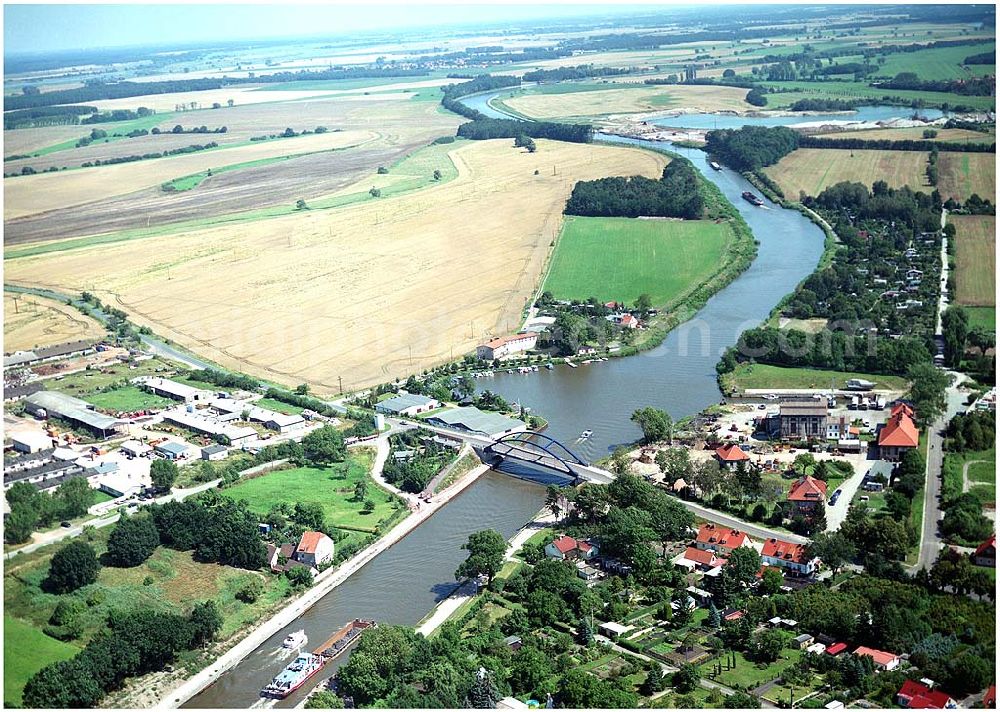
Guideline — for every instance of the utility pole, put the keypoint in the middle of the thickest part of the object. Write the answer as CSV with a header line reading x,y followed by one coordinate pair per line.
x,y
16,311
340,385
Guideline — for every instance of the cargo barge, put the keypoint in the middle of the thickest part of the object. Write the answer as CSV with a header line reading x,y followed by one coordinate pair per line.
x,y
752,199
306,665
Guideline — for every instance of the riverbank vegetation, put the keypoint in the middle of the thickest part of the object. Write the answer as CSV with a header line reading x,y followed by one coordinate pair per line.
x,y
763,376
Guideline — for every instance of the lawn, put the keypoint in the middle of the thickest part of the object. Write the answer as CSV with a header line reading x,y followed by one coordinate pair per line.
x,y
763,376
129,398
982,316
26,650
975,259
332,487
278,406
793,91
962,174
749,674
810,170
87,382
617,259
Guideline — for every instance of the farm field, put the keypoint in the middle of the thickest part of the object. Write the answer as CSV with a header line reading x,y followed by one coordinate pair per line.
x,y
982,316
26,195
975,258
762,376
31,321
263,185
938,63
793,91
23,141
631,100
916,134
617,259
331,298
962,174
332,487
812,169
26,650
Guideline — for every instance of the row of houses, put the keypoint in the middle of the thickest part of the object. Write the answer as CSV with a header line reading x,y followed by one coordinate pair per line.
x,y
713,543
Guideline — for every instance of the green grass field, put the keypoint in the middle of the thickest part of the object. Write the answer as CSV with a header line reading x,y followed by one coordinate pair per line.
x,y
332,487
90,382
793,91
128,398
938,63
982,316
278,406
26,650
759,375
620,258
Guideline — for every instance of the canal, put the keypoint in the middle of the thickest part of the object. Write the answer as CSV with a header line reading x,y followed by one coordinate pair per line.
x,y
399,586
403,584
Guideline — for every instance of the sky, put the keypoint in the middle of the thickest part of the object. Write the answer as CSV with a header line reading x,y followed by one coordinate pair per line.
x,y
42,28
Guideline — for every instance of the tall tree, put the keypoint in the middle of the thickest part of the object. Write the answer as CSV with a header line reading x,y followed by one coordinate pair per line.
x,y
486,550
656,424
834,549
133,541
325,445
928,386
163,473
73,566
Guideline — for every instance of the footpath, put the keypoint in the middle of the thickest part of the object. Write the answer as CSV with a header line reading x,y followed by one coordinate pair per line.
x,y
325,582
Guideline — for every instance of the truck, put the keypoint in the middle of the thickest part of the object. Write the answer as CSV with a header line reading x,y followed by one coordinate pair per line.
x,y
854,403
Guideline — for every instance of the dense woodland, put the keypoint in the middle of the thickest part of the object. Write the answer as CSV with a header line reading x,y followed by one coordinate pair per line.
x,y
676,194
582,71
896,145
973,86
751,147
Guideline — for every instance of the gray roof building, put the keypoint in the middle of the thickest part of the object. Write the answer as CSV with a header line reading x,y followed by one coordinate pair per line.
x,y
474,420
73,409
406,402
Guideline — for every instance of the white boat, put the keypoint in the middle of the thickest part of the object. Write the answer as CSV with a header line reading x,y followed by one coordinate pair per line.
x,y
586,434
294,641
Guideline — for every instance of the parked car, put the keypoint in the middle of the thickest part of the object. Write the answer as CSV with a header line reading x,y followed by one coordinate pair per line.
x,y
65,524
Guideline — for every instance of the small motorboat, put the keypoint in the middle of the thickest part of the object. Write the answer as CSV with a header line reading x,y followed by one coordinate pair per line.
x,y
586,434
549,366
294,641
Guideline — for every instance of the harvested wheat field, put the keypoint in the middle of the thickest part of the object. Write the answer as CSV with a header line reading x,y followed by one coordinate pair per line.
x,y
810,170
975,259
21,141
35,322
27,195
365,292
962,174
915,134
625,101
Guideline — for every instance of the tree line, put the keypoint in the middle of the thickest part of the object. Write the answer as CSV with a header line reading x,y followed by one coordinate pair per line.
x,y
32,509
982,58
582,71
486,128
675,194
973,86
45,116
751,147
118,115
896,145
825,104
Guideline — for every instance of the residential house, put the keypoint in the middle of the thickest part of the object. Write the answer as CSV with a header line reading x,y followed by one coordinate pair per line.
x,y
729,455
314,549
806,492
789,556
720,539
898,434
587,573
698,559
917,695
986,553
803,420
504,346
990,697
882,659
566,548
803,641
407,404
281,559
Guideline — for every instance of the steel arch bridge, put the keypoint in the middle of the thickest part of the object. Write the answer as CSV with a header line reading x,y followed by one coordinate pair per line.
x,y
538,449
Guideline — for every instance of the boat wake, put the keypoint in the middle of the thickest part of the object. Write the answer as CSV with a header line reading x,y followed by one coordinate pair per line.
x,y
264,703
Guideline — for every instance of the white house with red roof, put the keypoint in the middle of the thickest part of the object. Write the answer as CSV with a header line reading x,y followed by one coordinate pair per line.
x,y
730,455
806,492
986,553
789,556
503,346
898,434
918,696
699,559
566,548
712,537
882,659
314,549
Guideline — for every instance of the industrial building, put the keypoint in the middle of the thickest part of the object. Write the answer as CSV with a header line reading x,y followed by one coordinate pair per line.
x,y
45,404
473,420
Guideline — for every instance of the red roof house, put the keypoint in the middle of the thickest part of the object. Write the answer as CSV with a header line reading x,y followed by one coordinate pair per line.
x,y
721,539
729,455
836,649
629,322
806,492
918,696
314,549
898,434
566,547
990,698
986,553
704,558
789,556
901,407
882,659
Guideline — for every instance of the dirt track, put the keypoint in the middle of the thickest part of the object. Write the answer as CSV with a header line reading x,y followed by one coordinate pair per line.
x,y
366,292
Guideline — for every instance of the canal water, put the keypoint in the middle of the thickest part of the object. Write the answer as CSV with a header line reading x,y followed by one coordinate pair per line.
x,y
398,586
404,583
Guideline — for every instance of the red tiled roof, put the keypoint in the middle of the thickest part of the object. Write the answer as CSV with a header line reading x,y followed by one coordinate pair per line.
x,y
705,558
990,698
836,648
990,543
785,550
731,453
629,319
730,538
309,542
564,544
901,407
807,489
880,657
917,696
899,431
